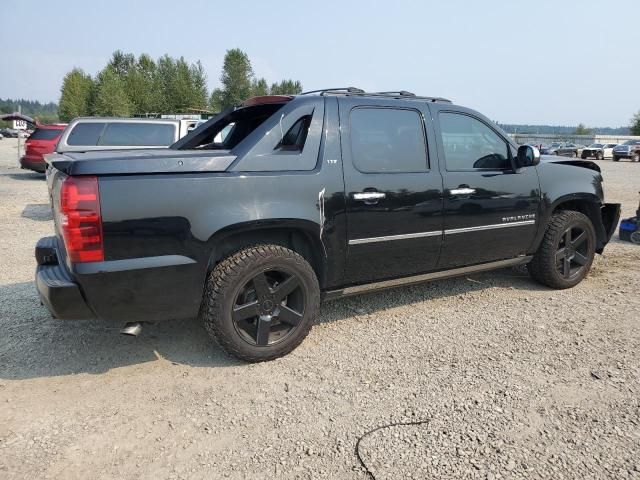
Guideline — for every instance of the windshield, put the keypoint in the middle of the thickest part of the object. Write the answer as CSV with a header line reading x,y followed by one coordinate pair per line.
x,y
595,145
632,142
555,145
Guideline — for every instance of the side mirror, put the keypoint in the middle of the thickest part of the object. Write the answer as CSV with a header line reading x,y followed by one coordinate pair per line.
x,y
528,156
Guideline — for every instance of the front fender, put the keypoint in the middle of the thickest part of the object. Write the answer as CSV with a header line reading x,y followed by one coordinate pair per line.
x,y
573,185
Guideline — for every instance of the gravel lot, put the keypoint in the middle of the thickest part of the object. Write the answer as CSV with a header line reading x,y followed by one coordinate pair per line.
x,y
510,379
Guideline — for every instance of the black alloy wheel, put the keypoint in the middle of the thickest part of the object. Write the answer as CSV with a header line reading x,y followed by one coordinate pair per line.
x,y
572,253
565,255
260,302
268,308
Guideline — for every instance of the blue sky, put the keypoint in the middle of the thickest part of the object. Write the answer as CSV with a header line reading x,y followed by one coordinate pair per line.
x,y
553,62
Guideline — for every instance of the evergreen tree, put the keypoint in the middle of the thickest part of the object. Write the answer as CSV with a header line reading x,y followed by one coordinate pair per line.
x,y
75,95
286,87
635,124
199,91
140,86
110,97
236,79
122,63
260,87
582,130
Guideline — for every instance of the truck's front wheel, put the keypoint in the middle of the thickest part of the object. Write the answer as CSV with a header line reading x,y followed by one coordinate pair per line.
x,y
566,253
260,303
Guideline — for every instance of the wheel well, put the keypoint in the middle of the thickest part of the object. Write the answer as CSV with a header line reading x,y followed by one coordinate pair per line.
x,y
592,211
298,240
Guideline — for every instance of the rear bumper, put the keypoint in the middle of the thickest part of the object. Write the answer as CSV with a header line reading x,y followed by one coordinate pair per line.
x,y
34,164
146,289
56,288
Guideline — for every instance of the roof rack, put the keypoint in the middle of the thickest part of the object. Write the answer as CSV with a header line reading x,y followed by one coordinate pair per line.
x,y
391,94
335,90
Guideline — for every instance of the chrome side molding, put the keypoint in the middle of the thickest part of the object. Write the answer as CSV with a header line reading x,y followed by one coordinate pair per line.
x,y
358,241
426,277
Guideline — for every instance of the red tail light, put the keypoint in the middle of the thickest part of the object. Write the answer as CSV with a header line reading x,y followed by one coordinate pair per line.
x,y
81,222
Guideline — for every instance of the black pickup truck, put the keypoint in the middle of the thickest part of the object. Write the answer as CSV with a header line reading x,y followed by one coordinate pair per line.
x,y
258,214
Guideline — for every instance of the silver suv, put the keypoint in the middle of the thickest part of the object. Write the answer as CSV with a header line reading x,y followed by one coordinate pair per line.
x,y
96,133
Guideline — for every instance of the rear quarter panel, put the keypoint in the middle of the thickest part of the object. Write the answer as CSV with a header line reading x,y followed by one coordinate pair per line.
x,y
173,222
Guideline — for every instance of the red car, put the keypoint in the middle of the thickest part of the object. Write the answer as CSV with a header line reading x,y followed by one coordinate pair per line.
x,y
42,141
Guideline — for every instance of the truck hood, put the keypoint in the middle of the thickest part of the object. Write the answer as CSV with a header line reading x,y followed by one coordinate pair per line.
x,y
576,162
128,162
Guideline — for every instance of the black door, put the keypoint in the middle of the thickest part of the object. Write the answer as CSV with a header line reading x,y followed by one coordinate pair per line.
x,y
490,209
394,198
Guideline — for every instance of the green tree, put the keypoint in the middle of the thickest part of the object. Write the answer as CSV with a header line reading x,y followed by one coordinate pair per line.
x,y
110,97
199,91
140,85
259,87
236,79
122,63
165,80
286,87
75,95
581,129
635,124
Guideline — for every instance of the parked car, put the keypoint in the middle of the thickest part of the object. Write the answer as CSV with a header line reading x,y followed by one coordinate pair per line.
x,y
9,132
306,197
98,133
598,151
41,142
629,149
564,149
1,137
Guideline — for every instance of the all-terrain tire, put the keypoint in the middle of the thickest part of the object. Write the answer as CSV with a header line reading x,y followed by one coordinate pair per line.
x,y
544,266
228,278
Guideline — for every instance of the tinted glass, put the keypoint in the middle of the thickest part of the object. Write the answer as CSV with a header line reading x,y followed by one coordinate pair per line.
x,y
138,134
470,144
387,140
85,134
294,139
45,134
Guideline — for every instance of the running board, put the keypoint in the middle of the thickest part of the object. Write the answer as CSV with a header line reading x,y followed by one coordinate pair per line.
x,y
427,277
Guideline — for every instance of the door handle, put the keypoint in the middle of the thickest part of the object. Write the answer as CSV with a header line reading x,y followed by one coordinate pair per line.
x,y
462,190
369,197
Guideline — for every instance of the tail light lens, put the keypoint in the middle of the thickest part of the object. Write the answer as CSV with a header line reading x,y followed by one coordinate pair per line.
x,y
81,222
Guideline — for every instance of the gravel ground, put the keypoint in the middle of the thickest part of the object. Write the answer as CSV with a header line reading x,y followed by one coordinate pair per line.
x,y
509,379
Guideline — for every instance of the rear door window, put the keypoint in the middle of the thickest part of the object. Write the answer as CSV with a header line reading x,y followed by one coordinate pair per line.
x,y
387,140
86,134
137,134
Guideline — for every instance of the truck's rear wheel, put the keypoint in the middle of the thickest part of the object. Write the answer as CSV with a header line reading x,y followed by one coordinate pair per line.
x,y
260,303
566,253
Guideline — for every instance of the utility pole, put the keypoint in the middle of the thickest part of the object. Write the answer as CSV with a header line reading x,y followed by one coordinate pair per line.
x,y
20,112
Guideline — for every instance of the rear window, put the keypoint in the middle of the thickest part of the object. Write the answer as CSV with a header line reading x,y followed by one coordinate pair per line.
x,y
86,133
45,134
122,134
226,132
138,134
